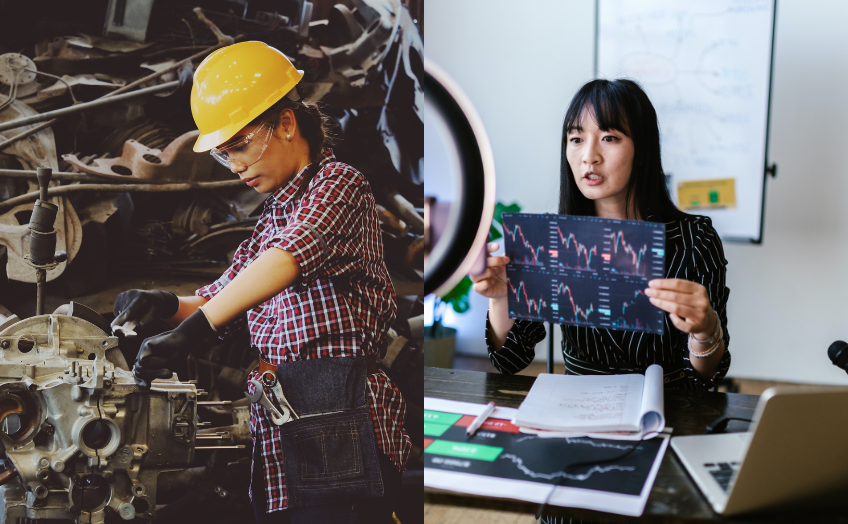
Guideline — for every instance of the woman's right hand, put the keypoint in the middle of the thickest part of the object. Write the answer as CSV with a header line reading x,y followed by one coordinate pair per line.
x,y
491,283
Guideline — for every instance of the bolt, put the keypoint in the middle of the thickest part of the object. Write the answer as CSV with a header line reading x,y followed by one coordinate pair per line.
x,y
221,492
49,429
33,387
107,383
44,462
5,344
126,511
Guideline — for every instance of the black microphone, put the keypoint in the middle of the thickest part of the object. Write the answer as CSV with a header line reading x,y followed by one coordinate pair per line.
x,y
838,353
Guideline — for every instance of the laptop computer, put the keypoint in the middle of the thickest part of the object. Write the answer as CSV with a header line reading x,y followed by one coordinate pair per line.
x,y
795,454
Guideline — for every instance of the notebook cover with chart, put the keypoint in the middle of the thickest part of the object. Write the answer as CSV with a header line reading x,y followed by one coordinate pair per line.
x,y
500,461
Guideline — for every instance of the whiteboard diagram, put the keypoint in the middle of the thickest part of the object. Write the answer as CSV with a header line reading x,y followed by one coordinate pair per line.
x,y
706,66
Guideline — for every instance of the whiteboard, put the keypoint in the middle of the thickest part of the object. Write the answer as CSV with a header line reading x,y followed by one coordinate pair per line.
x,y
706,66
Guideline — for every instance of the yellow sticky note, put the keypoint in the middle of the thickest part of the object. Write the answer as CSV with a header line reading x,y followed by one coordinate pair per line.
x,y
707,194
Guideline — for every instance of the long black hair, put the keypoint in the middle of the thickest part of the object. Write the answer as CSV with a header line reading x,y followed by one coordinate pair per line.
x,y
621,105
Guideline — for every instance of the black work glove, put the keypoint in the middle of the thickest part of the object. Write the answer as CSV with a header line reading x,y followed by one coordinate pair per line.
x,y
143,307
159,353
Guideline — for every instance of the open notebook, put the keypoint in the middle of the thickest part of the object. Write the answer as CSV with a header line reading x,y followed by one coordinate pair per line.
x,y
627,404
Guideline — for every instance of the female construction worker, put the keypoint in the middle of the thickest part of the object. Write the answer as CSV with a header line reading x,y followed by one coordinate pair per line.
x,y
317,295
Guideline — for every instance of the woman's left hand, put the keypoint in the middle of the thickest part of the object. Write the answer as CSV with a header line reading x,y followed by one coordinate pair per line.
x,y
686,302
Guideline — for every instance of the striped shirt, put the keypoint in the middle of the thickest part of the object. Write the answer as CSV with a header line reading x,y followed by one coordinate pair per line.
x,y
693,252
342,306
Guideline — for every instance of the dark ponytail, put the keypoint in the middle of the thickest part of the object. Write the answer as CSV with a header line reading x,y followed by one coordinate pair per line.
x,y
314,125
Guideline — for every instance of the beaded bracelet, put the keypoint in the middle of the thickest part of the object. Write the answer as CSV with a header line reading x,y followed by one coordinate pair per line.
x,y
708,352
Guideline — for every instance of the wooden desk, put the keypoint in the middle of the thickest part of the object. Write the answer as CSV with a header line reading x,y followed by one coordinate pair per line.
x,y
674,497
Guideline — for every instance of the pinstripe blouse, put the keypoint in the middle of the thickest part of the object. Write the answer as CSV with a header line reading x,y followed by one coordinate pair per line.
x,y
693,252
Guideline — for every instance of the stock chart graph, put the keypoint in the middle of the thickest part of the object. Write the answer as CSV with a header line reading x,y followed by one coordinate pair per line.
x,y
585,271
529,293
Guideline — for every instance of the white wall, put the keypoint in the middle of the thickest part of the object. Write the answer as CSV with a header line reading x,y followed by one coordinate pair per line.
x,y
520,63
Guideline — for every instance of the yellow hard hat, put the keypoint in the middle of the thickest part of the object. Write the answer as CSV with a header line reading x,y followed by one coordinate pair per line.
x,y
234,85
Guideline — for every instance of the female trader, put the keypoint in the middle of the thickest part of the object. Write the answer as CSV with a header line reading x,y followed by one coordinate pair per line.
x,y
611,168
317,295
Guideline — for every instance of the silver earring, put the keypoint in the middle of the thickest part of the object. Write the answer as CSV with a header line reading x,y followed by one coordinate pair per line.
x,y
288,136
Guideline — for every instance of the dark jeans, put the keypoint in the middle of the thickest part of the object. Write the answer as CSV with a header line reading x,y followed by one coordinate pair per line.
x,y
369,511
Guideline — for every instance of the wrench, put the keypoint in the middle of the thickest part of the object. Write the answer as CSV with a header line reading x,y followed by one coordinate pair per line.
x,y
259,396
269,379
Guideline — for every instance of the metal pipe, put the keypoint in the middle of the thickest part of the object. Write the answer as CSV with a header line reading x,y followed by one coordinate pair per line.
x,y
62,176
167,86
43,174
240,446
40,279
116,188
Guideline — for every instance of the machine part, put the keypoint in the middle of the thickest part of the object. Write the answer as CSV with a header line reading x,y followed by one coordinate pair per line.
x,y
116,188
80,438
149,132
390,222
132,85
405,143
222,238
356,60
18,73
222,38
85,106
177,163
17,236
404,209
63,176
128,19
197,215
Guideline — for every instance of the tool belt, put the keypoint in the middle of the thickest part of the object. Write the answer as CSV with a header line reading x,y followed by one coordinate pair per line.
x,y
329,447
370,365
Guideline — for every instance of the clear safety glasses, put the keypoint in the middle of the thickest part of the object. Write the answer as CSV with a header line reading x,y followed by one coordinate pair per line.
x,y
244,151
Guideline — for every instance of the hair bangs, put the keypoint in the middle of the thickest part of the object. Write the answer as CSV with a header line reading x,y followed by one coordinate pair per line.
x,y
603,103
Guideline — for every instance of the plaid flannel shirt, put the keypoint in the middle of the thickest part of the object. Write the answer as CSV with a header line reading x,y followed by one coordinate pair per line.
x,y
342,306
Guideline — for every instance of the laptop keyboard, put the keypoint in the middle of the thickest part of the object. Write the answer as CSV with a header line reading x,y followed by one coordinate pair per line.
x,y
722,472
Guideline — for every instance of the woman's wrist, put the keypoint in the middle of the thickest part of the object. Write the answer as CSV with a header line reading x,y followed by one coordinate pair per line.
x,y
708,337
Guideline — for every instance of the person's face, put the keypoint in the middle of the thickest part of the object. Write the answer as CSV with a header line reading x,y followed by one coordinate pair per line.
x,y
602,161
267,160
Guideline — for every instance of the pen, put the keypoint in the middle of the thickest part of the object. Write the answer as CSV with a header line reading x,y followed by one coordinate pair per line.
x,y
490,408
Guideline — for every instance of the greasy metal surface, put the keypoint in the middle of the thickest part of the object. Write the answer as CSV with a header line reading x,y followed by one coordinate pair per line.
x,y
84,424
138,163
674,497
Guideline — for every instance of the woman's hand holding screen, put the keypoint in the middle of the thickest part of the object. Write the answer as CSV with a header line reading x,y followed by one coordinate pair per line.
x,y
687,303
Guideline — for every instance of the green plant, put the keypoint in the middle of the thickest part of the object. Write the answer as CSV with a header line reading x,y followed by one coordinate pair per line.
x,y
457,298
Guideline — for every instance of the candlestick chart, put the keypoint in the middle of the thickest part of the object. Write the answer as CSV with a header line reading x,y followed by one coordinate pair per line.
x,y
577,302
572,254
585,271
638,252
525,246
529,294
632,310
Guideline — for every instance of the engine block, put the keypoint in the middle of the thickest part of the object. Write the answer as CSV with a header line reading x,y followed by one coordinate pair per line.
x,y
79,439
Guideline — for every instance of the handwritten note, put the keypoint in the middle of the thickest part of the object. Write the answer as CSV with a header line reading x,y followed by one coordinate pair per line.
x,y
590,403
